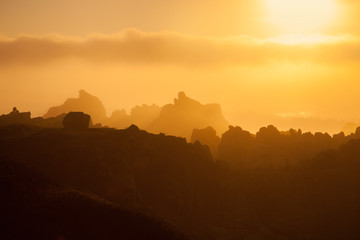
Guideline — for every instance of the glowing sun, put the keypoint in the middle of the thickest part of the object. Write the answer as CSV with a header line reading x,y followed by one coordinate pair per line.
x,y
301,16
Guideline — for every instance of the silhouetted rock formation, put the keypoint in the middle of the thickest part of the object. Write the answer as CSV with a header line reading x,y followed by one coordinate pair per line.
x,y
207,136
178,119
270,147
142,116
76,121
350,128
84,103
235,147
252,121
118,119
186,114
17,117
33,207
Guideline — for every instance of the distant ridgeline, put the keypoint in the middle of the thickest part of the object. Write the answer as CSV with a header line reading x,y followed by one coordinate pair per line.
x,y
178,119
269,146
196,122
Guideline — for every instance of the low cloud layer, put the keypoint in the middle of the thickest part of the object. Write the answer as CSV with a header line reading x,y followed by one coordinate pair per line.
x,y
135,47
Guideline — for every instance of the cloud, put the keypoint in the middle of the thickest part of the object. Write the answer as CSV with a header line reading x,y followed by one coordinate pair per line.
x,y
136,47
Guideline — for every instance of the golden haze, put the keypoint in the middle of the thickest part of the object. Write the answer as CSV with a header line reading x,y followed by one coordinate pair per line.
x,y
271,57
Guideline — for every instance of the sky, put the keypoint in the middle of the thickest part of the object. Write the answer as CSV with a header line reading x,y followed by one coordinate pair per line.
x,y
264,61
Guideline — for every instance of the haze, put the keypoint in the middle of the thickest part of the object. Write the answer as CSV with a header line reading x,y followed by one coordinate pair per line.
x,y
261,60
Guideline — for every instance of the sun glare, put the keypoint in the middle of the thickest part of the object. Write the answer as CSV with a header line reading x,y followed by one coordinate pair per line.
x,y
301,16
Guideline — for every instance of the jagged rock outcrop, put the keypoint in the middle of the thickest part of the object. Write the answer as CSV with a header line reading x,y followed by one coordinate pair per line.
x,y
236,146
186,114
84,103
17,117
207,136
271,147
142,116
177,119
76,121
118,119
350,128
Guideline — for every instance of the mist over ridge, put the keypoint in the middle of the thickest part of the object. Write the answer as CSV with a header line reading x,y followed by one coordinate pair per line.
x,y
180,120
186,114
175,172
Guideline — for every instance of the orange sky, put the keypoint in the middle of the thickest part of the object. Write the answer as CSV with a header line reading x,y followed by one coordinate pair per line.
x,y
275,58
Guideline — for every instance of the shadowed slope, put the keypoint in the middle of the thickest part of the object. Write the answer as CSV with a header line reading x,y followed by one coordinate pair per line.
x,y
310,200
32,207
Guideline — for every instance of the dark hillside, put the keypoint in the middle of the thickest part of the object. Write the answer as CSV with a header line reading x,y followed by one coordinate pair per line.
x,y
32,207
180,182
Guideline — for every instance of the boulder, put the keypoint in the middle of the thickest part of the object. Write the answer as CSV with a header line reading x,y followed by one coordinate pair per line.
x,y
76,121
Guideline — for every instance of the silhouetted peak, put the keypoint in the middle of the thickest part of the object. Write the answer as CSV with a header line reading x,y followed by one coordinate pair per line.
x,y
237,128
133,128
83,93
186,114
350,128
207,136
142,116
268,131
84,103
322,135
205,133
15,110
184,100
210,130
17,117
235,133
292,132
341,134
357,132
181,95
145,109
15,114
119,113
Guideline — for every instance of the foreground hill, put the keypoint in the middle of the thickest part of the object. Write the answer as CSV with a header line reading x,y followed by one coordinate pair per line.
x,y
129,167
32,207
180,182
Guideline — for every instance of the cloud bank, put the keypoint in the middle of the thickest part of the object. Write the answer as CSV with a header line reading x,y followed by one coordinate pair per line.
x,y
136,47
